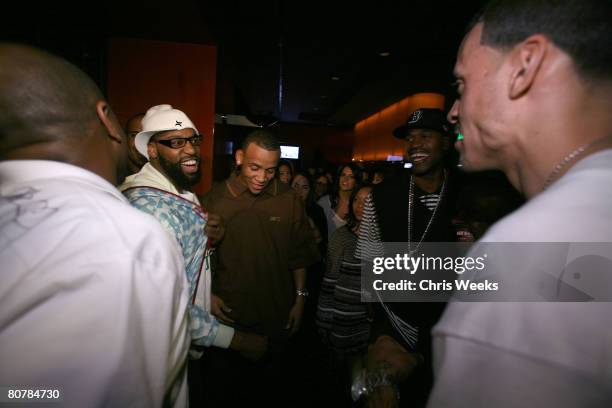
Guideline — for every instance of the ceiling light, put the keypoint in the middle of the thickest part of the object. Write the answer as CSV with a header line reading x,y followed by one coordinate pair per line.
x,y
384,54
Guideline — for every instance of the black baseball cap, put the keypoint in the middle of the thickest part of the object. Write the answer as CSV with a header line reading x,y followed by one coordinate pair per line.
x,y
424,118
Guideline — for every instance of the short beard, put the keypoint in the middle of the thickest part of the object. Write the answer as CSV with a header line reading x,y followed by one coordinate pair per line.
x,y
180,179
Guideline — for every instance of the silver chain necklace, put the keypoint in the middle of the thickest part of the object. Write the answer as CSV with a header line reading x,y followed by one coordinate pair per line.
x,y
409,333
566,160
564,163
433,215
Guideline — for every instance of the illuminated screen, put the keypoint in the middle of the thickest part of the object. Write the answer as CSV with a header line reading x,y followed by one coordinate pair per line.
x,y
394,158
290,152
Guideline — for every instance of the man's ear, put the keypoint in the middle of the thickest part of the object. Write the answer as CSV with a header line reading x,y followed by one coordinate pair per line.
x,y
527,58
109,121
239,157
151,150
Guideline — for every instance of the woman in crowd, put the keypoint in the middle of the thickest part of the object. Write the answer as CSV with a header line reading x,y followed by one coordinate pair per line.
x,y
285,171
308,338
302,184
342,318
321,185
336,203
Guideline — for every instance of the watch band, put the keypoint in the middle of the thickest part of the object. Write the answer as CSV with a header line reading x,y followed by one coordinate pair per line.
x,y
380,376
301,292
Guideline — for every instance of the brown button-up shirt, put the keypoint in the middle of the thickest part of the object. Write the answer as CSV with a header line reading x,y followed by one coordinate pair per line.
x,y
267,237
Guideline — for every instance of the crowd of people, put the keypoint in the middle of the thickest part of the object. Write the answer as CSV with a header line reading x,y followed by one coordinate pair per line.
x,y
123,287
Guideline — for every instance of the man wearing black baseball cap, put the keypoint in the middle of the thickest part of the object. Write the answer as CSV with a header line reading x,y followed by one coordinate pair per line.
x,y
426,138
412,208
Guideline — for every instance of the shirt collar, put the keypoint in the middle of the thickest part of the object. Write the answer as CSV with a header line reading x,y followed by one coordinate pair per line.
x,y
149,176
24,171
238,188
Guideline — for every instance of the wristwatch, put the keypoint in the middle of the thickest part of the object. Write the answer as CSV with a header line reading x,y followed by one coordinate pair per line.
x,y
301,292
380,376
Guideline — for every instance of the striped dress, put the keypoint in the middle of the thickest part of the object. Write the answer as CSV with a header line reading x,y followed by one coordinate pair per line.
x,y
341,316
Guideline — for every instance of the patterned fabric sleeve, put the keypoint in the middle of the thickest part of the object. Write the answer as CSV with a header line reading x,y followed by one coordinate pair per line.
x,y
369,243
203,326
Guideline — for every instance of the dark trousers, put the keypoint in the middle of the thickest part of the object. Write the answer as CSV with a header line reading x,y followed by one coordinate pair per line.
x,y
229,380
290,375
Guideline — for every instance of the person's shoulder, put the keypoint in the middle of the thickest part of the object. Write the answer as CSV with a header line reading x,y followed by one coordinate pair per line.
x,y
315,209
144,177
284,188
125,220
102,222
137,237
286,196
217,187
216,192
391,185
400,179
341,234
324,201
282,191
563,213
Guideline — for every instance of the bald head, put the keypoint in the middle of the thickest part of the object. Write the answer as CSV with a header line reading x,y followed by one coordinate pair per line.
x,y
49,109
42,98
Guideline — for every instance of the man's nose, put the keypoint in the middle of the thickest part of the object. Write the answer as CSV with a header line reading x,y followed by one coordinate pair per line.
x,y
415,141
453,114
189,148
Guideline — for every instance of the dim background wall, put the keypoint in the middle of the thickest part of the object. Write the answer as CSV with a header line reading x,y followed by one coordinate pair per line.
x,y
374,139
144,73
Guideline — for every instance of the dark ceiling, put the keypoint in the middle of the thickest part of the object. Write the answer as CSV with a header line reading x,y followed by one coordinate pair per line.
x,y
324,40
329,63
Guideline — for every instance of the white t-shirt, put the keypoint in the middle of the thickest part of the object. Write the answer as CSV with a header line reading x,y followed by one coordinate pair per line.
x,y
333,220
93,297
530,354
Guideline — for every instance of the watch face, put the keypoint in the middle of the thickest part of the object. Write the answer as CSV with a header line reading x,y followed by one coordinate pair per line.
x,y
358,388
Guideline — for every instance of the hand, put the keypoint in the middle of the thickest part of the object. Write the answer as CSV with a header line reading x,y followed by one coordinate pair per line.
x,y
214,229
295,316
384,396
250,345
219,309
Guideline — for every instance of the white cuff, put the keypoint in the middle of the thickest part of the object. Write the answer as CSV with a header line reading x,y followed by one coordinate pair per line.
x,y
224,336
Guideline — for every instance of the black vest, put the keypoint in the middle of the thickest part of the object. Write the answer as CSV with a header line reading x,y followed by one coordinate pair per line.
x,y
391,204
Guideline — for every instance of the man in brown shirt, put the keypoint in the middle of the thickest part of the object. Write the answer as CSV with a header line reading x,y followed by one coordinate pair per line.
x,y
259,280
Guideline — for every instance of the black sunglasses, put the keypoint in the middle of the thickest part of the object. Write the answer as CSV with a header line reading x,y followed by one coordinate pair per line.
x,y
178,142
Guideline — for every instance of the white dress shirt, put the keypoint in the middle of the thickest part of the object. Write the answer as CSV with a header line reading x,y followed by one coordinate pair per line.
x,y
93,297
